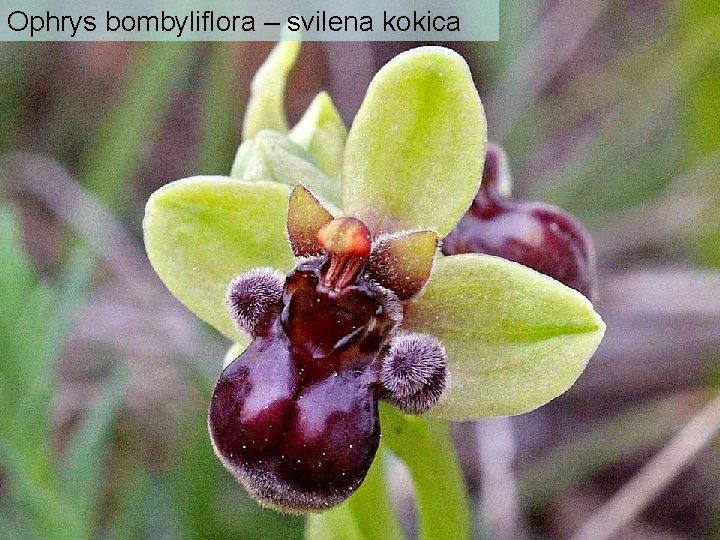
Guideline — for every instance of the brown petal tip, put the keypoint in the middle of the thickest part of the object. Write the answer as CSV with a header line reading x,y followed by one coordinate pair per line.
x,y
306,216
403,262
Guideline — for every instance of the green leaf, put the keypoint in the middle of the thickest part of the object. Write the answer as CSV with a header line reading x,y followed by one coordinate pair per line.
x,y
17,276
336,523
120,145
202,232
266,106
82,474
130,509
274,157
322,133
26,391
220,102
14,527
39,497
425,446
515,338
26,325
699,103
414,155
367,515
72,286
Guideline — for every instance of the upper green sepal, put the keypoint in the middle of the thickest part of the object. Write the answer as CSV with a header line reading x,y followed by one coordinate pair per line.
x,y
414,154
271,156
266,106
245,153
515,338
202,232
322,133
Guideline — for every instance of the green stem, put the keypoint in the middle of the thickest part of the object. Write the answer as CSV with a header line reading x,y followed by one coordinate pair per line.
x,y
424,445
367,515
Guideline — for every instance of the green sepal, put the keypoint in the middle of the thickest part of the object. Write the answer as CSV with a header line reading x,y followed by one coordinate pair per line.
x,y
242,158
202,232
322,133
273,157
414,154
515,338
266,106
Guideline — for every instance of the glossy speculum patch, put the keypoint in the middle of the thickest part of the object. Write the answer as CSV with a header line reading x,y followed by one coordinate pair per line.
x,y
295,416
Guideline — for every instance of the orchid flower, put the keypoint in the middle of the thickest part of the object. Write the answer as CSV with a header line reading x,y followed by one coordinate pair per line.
x,y
457,337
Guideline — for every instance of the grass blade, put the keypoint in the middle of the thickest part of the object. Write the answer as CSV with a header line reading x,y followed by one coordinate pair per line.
x,y
82,473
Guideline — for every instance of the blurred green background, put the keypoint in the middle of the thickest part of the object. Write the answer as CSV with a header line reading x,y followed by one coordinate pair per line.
x,y
609,109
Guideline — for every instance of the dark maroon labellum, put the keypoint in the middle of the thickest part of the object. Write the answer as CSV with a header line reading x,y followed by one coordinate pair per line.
x,y
295,416
540,236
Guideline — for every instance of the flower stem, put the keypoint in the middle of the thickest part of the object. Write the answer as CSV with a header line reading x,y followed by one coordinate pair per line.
x,y
424,445
367,515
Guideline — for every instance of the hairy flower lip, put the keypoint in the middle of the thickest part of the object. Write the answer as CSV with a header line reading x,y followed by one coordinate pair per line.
x,y
325,389
282,474
302,343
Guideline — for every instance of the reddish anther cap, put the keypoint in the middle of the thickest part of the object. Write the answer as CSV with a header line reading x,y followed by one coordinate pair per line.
x,y
346,237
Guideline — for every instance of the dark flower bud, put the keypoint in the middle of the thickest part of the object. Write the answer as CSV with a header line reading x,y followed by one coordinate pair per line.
x,y
254,297
540,236
413,372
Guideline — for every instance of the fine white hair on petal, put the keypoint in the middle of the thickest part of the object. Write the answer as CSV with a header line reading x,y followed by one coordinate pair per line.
x,y
310,259
379,239
413,374
387,265
392,304
251,296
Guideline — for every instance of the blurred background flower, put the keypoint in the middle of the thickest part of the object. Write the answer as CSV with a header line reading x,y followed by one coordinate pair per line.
x,y
609,109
